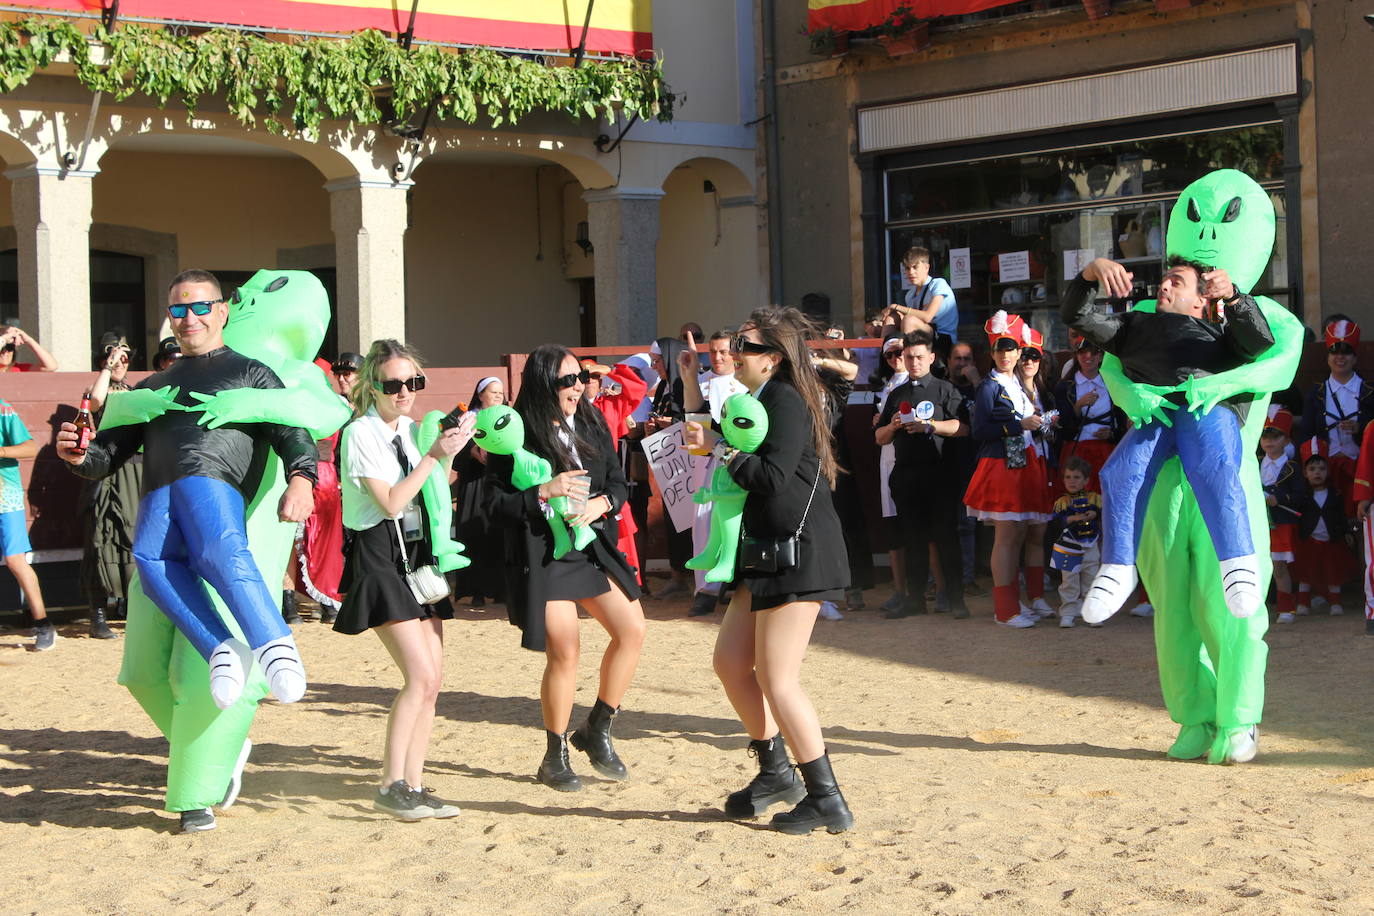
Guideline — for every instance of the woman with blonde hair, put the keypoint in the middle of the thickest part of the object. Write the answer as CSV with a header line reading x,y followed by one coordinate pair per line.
x,y
383,471
768,624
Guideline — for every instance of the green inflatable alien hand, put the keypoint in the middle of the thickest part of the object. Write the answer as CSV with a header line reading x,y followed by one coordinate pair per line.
x,y
138,405
501,431
745,425
448,553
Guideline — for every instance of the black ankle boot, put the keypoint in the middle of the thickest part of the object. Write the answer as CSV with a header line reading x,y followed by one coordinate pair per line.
x,y
328,614
99,628
289,612
775,784
120,610
594,740
823,806
555,772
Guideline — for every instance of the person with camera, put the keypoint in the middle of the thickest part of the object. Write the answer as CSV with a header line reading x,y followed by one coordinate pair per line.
x,y
382,473
544,593
12,337
790,559
918,419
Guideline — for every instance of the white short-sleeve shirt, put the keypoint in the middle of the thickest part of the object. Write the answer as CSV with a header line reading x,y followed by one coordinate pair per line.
x,y
368,451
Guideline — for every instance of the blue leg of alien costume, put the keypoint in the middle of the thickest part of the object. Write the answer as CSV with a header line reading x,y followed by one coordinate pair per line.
x,y
193,530
1210,449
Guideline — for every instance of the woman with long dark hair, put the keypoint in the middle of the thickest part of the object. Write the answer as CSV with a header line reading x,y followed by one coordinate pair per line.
x,y
543,593
768,624
382,472
482,578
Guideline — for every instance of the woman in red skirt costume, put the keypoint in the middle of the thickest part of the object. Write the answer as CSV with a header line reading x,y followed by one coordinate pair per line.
x,y
1010,487
1090,426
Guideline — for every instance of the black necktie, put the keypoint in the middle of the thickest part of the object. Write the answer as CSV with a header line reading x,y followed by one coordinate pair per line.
x,y
401,456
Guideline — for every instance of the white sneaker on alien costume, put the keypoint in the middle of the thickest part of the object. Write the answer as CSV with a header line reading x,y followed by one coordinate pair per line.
x,y
229,666
285,671
1243,745
1240,584
1111,587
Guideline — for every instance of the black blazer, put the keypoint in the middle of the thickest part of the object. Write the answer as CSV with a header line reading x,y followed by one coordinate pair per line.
x,y
1315,421
780,476
1333,513
1071,423
529,542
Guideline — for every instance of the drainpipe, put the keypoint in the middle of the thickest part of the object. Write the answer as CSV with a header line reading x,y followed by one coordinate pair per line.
x,y
770,107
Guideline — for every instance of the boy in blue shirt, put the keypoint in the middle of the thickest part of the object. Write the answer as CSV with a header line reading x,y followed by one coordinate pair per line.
x,y
1076,554
16,444
930,299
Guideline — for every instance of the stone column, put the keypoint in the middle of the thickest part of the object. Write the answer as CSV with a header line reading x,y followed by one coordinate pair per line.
x,y
623,224
369,219
52,224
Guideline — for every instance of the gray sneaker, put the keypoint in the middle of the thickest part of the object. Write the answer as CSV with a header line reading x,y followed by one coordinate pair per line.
x,y
44,636
196,821
440,807
401,801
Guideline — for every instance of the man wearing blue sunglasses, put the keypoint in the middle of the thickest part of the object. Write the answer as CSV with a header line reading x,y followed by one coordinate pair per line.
x,y
196,480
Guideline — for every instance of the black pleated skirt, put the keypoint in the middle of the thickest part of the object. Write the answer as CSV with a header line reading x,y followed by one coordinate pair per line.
x,y
375,590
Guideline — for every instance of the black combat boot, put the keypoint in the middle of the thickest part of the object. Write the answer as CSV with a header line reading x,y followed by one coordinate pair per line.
x,y
775,783
555,771
99,628
823,806
594,740
289,611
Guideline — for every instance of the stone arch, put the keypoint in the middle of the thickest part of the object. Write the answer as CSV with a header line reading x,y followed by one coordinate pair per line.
x,y
578,156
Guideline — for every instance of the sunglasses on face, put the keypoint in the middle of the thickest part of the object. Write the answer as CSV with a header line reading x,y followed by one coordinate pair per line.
x,y
893,354
742,344
201,308
393,385
572,378
1030,356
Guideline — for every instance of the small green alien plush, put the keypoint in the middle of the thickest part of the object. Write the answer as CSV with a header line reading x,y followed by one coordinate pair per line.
x,y
501,431
745,424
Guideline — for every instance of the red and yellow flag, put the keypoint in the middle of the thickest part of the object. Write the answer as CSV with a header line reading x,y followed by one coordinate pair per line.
x,y
852,15
618,26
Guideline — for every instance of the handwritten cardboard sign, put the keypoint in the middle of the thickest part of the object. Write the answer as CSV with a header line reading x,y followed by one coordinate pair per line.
x,y
677,472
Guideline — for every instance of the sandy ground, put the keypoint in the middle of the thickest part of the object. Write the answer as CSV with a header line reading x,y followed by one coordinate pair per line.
x,y
989,770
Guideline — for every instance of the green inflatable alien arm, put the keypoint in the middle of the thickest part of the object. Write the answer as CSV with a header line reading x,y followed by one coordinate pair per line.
x,y
744,421
138,405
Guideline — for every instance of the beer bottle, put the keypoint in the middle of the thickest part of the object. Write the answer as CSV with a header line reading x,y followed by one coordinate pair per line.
x,y
85,426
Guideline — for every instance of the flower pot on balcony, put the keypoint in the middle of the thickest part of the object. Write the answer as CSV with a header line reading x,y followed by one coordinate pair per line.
x,y
914,39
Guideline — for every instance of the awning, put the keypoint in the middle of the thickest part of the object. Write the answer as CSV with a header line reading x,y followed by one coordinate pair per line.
x,y
617,26
852,15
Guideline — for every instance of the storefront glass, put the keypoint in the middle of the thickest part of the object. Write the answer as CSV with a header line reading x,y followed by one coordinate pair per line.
x,y
1004,231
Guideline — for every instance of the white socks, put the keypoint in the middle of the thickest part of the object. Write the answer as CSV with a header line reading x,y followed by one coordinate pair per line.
x,y
1113,585
1240,584
285,672
229,665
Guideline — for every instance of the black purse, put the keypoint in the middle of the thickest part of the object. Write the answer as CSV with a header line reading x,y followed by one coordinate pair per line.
x,y
775,555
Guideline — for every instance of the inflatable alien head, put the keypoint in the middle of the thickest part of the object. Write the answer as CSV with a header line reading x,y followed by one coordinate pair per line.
x,y
499,430
278,315
744,421
1224,219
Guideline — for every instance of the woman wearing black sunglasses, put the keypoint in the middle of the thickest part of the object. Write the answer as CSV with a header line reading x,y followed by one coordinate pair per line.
x,y
382,472
768,624
543,594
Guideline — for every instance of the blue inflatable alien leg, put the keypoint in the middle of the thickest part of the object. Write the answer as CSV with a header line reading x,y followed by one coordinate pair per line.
x,y
163,565
210,514
1210,448
1127,481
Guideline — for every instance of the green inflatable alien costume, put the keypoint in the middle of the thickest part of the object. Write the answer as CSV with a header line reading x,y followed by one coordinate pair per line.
x,y
501,431
278,318
1211,663
744,423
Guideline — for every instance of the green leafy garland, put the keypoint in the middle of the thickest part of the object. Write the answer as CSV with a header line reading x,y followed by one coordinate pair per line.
x,y
298,84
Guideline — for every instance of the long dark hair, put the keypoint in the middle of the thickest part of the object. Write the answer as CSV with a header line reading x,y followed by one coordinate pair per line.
x,y
537,404
787,331
668,400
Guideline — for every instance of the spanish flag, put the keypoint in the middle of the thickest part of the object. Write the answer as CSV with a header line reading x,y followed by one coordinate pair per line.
x,y
852,15
617,26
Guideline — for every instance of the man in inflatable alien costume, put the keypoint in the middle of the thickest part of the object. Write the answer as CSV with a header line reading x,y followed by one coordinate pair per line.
x,y
279,320
744,423
1211,658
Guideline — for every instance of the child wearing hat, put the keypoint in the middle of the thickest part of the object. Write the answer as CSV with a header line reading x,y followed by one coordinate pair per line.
x,y
1339,407
1321,555
1282,484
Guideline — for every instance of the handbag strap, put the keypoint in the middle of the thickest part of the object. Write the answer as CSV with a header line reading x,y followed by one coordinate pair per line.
x,y
405,557
809,499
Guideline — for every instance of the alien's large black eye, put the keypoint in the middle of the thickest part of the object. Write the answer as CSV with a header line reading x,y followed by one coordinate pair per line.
x,y
1192,211
743,423
277,284
479,434
502,422
1232,210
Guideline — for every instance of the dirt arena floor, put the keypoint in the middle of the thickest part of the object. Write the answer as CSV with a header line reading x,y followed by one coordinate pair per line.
x,y
989,770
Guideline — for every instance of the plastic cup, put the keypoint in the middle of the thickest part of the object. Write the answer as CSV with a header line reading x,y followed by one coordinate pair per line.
x,y
705,420
577,502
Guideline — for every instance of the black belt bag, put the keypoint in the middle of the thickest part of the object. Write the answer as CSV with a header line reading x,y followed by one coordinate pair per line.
x,y
775,555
